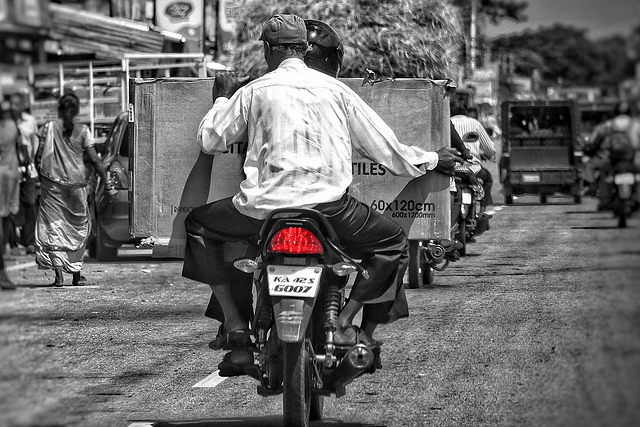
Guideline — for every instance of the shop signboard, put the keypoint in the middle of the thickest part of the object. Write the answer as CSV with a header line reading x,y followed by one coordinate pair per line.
x,y
185,17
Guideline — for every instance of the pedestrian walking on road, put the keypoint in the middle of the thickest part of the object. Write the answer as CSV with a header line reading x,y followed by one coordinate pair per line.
x,y
63,223
9,181
26,220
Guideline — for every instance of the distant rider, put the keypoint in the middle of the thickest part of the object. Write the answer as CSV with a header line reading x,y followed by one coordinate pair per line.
x,y
612,141
480,145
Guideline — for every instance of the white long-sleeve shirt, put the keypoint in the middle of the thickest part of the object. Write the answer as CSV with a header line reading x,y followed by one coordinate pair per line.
x,y
301,125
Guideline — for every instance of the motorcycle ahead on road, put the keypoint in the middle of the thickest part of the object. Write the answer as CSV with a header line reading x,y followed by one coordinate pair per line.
x,y
300,277
469,219
623,181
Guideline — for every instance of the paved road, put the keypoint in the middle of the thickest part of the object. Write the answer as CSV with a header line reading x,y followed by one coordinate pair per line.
x,y
538,326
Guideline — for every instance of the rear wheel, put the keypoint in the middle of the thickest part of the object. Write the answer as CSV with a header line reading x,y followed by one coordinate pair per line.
x,y
621,213
420,272
461,236
508,199
297,399
543,198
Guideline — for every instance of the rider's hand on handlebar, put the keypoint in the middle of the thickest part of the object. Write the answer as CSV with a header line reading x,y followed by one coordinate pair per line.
x,y
447,159
227,83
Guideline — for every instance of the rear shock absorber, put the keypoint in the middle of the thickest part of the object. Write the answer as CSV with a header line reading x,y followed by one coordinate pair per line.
x,y
264,317
331,307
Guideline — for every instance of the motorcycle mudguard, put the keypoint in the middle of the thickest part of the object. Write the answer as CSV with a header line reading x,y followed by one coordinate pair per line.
x,y
292,317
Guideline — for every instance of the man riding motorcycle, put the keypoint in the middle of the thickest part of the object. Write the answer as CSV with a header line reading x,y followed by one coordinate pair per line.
x,y
480,145
300,125
612,142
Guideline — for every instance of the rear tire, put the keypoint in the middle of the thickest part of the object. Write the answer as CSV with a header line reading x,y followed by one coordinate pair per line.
x,y
420,272
508,200
104,253
461,236
621,213
296,398
543,198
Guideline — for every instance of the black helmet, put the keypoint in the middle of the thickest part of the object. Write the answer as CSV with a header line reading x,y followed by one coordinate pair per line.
x,y
622,107
325,48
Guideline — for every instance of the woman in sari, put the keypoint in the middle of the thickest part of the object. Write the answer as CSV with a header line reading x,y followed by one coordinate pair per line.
x,y
63,224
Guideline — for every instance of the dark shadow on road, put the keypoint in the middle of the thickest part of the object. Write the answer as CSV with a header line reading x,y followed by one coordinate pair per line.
x,y
132,258
603,227
268,421
517,203
582,212
435,286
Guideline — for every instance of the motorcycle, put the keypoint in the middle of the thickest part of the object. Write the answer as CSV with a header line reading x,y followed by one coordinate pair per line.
x,y
300,276
623,182
469,219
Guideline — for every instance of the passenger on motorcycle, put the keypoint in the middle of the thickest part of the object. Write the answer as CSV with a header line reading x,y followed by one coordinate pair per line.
x,y
611,142
300,125
480,145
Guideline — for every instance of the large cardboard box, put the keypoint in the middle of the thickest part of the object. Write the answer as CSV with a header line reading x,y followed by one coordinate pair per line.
x,y
170,176
418,113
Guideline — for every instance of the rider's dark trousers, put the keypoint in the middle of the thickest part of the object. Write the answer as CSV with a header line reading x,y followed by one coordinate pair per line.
x,y
487,185
379,242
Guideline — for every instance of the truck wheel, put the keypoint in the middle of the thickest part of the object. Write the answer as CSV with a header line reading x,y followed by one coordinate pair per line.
x,y
104,253
543,198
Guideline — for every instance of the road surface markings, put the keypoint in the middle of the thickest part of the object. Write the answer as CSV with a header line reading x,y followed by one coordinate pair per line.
x,y
211,381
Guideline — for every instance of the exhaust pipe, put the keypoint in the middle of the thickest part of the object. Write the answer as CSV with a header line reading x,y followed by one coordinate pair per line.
x,y
358,359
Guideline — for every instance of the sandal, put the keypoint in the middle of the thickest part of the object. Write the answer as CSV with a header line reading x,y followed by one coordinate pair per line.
x,y
230,369
220,341
361,338
58,284
79,280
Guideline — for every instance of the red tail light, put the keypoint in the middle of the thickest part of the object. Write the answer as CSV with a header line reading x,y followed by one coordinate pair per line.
x,y
295,241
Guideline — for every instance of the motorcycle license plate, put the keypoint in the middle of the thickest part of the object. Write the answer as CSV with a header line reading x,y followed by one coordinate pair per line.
x,y
293,281
466,198
624,178
530,177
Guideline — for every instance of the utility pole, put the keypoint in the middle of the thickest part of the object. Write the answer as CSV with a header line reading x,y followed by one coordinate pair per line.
x,y
473,37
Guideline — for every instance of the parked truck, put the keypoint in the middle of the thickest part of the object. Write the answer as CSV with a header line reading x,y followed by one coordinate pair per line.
x,y
540,149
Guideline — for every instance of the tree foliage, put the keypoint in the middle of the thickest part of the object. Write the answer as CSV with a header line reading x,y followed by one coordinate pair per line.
x,y
562,54
497,10
393,38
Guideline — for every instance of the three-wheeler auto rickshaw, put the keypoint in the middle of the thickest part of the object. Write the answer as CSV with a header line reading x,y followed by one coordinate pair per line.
x,y
539,149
